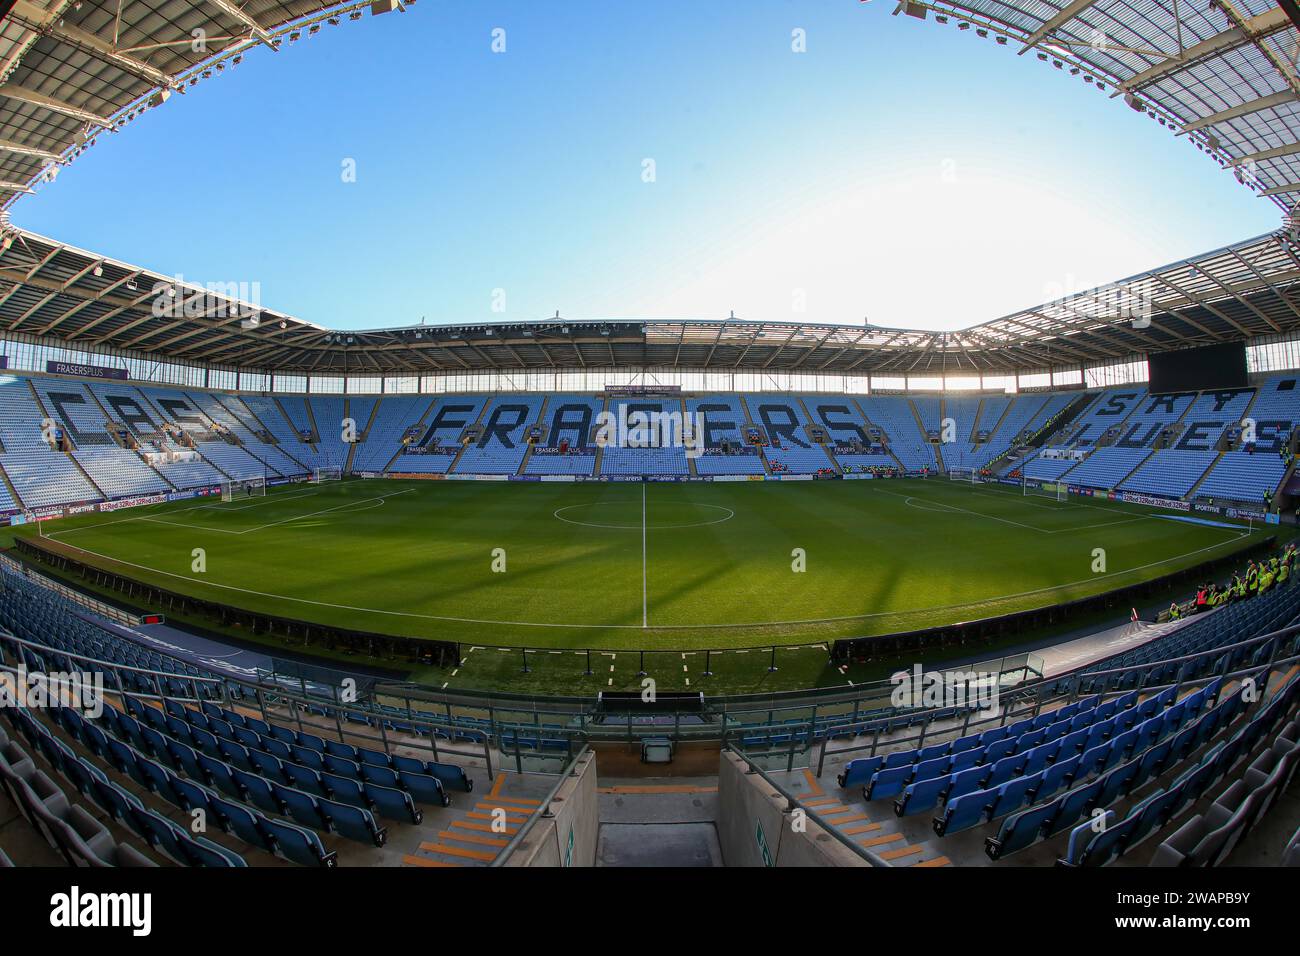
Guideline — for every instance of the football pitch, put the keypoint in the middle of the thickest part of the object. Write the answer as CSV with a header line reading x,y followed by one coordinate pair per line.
x,y
620,567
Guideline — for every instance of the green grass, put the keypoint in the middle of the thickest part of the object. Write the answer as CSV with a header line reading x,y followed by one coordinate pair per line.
x,y
416,559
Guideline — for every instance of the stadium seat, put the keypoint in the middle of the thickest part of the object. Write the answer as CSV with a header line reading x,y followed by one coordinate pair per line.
x,y
964,812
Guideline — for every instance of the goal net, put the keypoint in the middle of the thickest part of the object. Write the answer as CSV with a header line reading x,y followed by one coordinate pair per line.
x,y
329,473
1046,489
244,488
968,475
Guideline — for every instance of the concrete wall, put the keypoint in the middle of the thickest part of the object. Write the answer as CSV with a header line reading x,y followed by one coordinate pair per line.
x,y
690,759
751,814
575,816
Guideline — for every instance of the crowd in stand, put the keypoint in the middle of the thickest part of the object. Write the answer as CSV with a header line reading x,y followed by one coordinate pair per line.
x,y
1258,578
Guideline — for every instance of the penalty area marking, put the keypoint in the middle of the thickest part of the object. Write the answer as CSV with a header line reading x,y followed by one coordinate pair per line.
x,y
269,499
265,499
195,527
376,502
940,507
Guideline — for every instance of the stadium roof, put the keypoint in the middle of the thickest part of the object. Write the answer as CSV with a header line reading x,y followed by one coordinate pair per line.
x,y
1220,73
52,291
72,71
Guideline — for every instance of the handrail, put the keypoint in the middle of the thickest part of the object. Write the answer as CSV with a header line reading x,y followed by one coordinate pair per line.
x,y
795,803
296,703
115,614
809,708
1289,631
543,810
538,703
1082,671
1004,718
9,636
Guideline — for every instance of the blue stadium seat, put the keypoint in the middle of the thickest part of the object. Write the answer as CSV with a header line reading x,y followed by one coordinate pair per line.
x,y
886,783
968,781
1021,829
1013,795
352,822
298,844
301,807
964,812
1072,805
1058,775
393,804
257,791
922,796
237,820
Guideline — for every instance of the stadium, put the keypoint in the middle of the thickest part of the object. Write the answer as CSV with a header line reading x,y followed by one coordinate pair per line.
x,y
648,592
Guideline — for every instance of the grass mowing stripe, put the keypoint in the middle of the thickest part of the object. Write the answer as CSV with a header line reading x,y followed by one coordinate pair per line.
x,y
420,565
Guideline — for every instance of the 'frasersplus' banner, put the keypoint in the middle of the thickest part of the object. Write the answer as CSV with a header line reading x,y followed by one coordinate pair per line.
x,y
84,371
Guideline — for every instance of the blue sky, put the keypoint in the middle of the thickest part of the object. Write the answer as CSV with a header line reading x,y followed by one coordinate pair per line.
x,y
897,171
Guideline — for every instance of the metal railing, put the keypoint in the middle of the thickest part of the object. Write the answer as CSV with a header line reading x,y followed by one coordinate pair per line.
x,y
794,803
543,811
229,692
1251,671
547,730
1074,681
115,614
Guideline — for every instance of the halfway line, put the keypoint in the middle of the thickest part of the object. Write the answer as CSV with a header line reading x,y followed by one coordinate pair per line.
x,y
645,598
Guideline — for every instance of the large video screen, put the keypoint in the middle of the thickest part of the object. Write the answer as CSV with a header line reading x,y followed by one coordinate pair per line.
x,y
1192,370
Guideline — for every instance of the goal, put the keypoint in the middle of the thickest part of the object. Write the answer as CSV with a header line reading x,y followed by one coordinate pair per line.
x,y
1046,489
968,475
243,488
329,473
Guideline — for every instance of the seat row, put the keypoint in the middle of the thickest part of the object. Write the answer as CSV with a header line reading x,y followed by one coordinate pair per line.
x,y
34,613
1290,856
250,823
168,839
1235,623
883,721
1207,839
1128,755
293,764
397,721
887,776
1229,818
1114,782
244,773
68,828
305,744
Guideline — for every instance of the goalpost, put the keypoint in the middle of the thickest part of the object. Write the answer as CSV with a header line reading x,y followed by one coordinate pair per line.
x,y
1045,489
969,475
328,473
243,488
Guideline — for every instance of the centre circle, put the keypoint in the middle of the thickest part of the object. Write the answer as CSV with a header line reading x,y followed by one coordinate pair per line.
x,y
627,515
